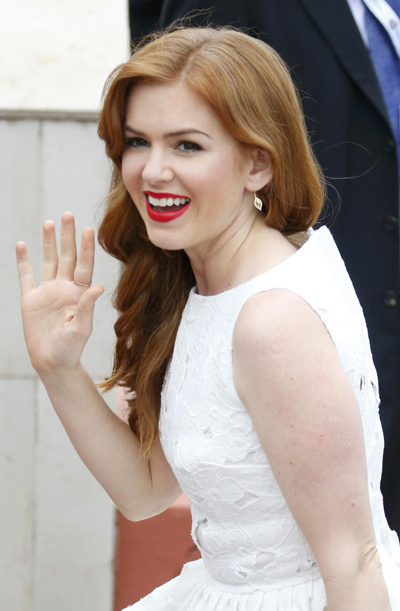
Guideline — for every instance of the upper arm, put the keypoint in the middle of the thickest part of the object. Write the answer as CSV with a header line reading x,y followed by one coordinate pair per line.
x,y
288,374
166,488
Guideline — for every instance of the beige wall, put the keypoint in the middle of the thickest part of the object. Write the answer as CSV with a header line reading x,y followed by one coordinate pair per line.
x,y
57,526
56,54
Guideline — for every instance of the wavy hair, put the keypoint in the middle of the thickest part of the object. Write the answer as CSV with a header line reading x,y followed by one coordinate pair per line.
x,y
249,87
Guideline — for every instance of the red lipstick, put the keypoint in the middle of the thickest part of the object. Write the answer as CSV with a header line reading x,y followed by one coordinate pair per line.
x,y
164,217
164,195
168,215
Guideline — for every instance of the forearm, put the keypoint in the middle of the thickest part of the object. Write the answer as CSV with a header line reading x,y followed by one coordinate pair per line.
x,y
58,318
360,589
106,445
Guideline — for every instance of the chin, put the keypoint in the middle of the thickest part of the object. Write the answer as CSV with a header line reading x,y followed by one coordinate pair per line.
x,y
167,240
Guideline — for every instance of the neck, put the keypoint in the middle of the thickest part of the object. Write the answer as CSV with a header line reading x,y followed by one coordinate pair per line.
x,y
243,251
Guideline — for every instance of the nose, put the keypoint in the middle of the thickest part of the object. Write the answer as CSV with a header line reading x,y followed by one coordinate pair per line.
x,y
157,169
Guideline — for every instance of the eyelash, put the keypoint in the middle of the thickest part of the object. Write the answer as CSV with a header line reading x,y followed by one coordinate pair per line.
x,y
195,147
136,142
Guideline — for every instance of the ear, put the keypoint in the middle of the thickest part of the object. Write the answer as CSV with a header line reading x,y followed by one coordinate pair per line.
x,y
260,170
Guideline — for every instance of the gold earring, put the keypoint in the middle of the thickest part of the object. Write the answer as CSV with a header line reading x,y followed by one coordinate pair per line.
x,y
257,201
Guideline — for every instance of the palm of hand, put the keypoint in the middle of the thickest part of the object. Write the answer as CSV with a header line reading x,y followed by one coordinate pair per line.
x,y
50,326
57,315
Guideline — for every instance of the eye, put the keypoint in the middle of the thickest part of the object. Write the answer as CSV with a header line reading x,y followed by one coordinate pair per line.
x,y
135,142
188,147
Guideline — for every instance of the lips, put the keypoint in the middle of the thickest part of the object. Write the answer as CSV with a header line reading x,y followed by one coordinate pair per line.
x,y
165,207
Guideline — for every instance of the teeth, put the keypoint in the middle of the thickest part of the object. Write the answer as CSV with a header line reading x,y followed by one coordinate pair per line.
x,y
167,201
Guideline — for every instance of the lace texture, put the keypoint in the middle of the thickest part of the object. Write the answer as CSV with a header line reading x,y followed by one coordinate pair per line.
x,y
254,556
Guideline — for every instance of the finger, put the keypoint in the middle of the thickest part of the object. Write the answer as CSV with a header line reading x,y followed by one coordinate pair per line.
x,y
50,254
85,307
67,260
25,273
84,267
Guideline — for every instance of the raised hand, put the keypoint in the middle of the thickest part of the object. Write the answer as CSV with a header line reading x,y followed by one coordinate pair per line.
x,y
58,314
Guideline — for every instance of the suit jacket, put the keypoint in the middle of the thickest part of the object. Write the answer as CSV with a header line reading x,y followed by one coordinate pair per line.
x,y
143,17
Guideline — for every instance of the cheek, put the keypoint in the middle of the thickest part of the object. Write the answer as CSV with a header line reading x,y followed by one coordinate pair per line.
x,y
130,173
211,180
222,184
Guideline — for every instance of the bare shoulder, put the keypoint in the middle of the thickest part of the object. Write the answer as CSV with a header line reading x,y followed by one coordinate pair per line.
x,y
278,320
284,356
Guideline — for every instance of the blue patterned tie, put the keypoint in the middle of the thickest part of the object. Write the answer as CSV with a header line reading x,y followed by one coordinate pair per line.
x,y
387,68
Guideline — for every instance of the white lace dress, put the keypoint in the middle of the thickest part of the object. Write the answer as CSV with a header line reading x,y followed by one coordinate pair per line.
x,y
254,556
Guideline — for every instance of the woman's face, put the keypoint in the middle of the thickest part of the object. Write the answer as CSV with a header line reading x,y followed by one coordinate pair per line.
x,y
185,172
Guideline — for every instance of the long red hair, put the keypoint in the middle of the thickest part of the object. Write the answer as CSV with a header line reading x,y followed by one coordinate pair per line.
x,y
249,87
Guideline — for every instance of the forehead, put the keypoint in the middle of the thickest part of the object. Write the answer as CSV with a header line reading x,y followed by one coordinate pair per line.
x,y
172,105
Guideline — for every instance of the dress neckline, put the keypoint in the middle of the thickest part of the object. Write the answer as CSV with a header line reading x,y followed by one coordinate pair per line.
x,y
313,236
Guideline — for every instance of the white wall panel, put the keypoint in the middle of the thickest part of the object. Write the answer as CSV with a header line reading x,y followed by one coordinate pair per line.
x,y
58,553
74,547
17,492
56,523
20,203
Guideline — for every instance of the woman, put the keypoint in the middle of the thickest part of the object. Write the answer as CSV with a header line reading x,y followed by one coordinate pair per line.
x,y
255,391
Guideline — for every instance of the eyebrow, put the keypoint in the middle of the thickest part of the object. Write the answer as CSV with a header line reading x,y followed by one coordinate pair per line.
x,y
181,132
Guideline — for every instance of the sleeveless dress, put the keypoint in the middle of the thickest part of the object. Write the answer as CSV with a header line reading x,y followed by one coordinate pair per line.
x,y
254,556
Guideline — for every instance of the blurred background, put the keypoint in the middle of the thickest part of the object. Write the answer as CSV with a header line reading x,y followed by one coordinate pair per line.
x,y
57,543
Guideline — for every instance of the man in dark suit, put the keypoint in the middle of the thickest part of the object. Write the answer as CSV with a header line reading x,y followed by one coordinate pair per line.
x,y
350,129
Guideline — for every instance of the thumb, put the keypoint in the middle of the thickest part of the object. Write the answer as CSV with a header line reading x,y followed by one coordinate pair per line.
x,y
85,307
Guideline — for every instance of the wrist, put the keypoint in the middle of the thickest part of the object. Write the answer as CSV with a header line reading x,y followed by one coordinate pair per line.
x,y
63,376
